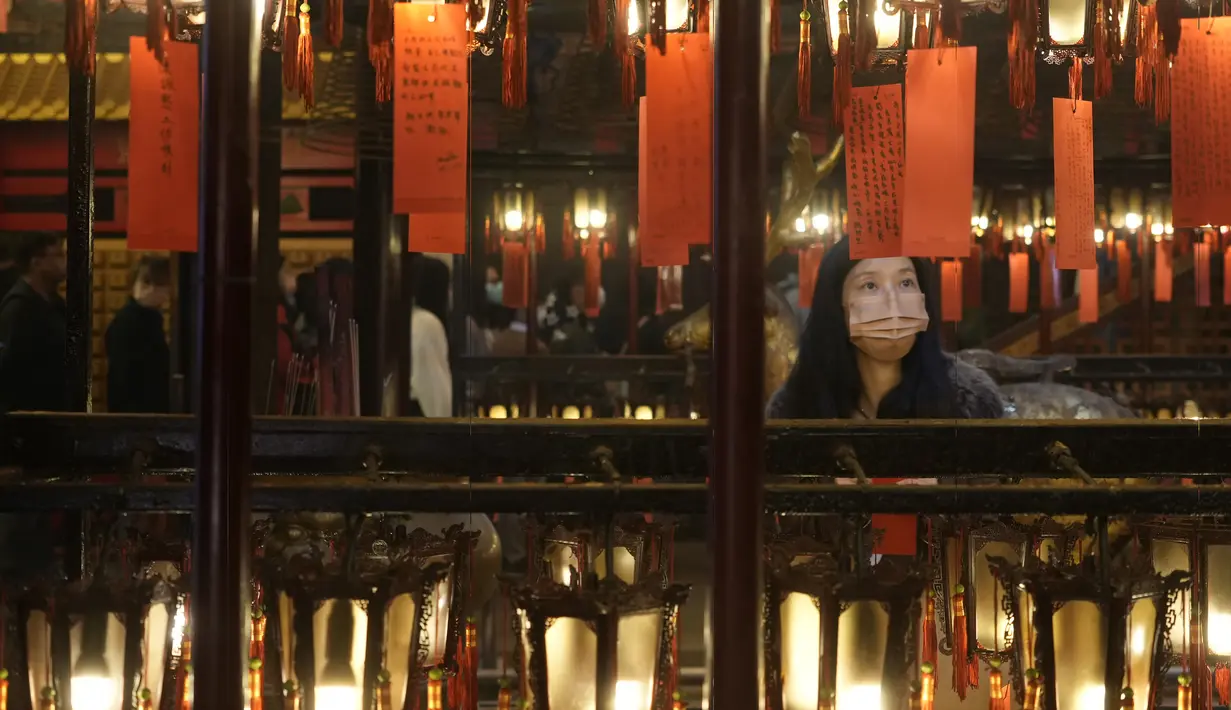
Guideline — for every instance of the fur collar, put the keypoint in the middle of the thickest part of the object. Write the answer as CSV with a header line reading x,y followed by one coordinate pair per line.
x,y
974,391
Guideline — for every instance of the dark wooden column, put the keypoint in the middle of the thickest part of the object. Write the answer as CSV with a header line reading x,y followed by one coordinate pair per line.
x,y
736,421
80,244
384,320
269,231
224,422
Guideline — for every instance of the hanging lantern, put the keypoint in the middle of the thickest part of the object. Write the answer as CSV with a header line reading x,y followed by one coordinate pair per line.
x,y
675,16
567,550
602,644
1068,29
887,35
798,580
1088,619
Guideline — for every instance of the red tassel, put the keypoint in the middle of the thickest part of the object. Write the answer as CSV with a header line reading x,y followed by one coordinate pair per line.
x,y
1222,682
628,63
961,652
1184,692
156,28
775,26
1023,36
4,689
803,79
1034,688
1126,699
1147,53
927,685
998,692
513,87
842,72
504,701
306,57
1162,91
80,35
597,22
1075,77
516,270
334,23
290,41
380,46
809,263
592,251
255,683
463,686
930,644
1102,57
435,690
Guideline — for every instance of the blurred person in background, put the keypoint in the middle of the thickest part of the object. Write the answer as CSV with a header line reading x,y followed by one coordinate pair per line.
x,y
9,273
431,378
33,330
138,357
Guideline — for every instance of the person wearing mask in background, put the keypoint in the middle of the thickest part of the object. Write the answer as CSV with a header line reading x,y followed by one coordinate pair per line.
x,y
138,358
431,378
33,330
9,273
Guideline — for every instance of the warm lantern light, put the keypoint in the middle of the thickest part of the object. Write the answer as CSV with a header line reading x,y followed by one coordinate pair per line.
x,y
1142,633
498,412
1099,237
644,413
1067,26
513,220
1080,646
1218,598
1132,221
677,19
571,412
863,637
820,222
94,690
800,641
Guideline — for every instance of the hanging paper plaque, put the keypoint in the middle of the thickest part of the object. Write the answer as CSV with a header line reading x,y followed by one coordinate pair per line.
x,y
1074,170
163,147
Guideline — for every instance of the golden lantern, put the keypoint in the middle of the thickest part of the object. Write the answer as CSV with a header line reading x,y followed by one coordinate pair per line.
x,y
891,26
1067,29
566,550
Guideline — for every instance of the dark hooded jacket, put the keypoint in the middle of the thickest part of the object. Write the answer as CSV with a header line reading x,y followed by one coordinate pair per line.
x,y
975,394
33,332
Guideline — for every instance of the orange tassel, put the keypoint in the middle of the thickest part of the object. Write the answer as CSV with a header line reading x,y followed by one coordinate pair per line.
x,y
591,249
1147,50
4,689
1184,692
255,683
775,26
305,57
628,63
46,699
1102,58
597,22
384,691
677,703
803,80
1033,690
435,690
842,70
1075,88
916,698
334,23
1126,699
504,701
1023,36
998,692
156,27
80,35
961,652
380,47
931,645
1222,672
927,686
1162,91
464,687
513,88
290,41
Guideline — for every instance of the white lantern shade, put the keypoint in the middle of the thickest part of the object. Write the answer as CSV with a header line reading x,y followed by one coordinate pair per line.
x,y
1079,631
863,637
401,631
1218,599
993,628
330,692
98,683
1066,22
1142,628
800,643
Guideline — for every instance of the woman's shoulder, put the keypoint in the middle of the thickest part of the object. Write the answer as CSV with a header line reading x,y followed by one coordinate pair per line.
x,y
976,395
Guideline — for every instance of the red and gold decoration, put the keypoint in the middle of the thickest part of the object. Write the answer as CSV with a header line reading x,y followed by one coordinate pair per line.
x,y
587,227
513,88
516,232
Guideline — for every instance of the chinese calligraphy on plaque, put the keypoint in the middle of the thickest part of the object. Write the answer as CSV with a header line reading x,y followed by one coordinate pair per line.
x,y
938,180
874,171
163,147
431,102
680,138
1201,126
1074,156
657,248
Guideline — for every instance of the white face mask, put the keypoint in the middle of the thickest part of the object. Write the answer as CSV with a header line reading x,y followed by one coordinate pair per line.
x,y
885,307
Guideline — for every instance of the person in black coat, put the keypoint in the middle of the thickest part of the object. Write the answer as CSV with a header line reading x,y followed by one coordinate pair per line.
x,y
138,358
33,330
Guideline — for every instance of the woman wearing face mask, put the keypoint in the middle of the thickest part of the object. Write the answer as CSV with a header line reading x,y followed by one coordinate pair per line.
x,y
871,349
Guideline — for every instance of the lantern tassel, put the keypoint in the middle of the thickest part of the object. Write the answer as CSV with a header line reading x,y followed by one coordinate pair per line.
x,y
384,690
961,654
290,41
592,251
998,692
1222,672
1126,699
927,686
305,57
380,47
1033,690
334,23
156,27
80,35
292,696
931,646
628,63
775,26
504,701
1147,48
435,690
1184,692
46,699
803,80
513,87
256,681
1102,58
842,71
1075,90
463,687
1162,90
597,22
4,689
1023,36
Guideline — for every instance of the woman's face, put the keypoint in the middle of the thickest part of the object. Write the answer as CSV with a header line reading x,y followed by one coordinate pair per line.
x,y
884,307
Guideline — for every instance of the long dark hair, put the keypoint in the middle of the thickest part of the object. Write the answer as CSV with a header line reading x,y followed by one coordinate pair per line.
x,y
825,382
431,287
